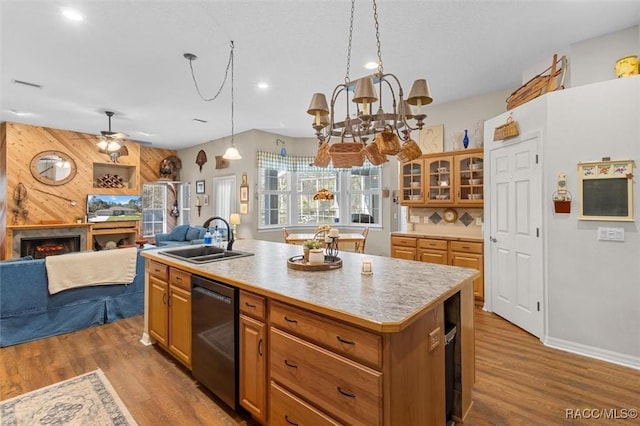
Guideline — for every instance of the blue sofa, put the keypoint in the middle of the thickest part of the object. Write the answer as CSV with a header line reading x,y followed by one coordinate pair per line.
x,y
181,235
28,312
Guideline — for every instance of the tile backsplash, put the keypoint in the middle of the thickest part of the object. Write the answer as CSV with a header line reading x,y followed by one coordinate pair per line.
x,y
432,218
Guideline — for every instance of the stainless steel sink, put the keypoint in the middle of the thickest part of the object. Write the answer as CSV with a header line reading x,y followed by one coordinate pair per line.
x,y
204,254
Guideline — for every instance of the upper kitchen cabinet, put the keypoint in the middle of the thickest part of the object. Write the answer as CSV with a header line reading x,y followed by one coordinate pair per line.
x,y
412,182
469,169
448,179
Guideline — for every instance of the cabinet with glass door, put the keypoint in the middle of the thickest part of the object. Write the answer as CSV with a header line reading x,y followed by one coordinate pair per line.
x,y
411,182
469,178
439,180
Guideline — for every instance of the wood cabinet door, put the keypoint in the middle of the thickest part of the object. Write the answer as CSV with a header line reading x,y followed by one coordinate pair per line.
x,y
253,369
412,183
433,256
158,310
180,324
403,253
469,179
475,261
439,180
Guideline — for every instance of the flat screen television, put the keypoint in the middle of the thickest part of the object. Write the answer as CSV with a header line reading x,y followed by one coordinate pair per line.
x,y
113,208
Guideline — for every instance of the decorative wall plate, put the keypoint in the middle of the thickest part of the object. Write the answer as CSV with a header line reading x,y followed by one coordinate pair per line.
x,y
450,215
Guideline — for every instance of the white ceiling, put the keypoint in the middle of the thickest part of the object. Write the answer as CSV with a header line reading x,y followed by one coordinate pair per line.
x,y
127,56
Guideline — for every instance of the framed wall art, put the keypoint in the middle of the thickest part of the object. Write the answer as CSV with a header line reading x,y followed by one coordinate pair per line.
x,y
200,187
606,190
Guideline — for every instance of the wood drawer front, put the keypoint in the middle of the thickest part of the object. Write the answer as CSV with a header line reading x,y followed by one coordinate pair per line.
x,y
158,270
466,247
287,409
354,343
403,241
253,305
432,244
180,279
351,392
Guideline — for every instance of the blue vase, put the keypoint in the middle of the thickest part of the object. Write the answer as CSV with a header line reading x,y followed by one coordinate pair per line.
x,y
465,141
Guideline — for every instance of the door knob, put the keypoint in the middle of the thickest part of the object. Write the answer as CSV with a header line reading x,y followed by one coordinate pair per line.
x,y
493,240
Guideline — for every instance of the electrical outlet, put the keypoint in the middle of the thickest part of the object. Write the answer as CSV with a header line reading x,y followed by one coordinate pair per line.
x,y
478,221
426,219
434,339
414,219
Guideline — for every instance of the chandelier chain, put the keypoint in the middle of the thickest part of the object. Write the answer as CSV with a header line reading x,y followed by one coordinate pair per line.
x,y
378,45
226,72
353,7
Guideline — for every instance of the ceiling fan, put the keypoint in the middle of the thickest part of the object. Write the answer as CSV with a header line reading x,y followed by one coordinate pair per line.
x,y
112,143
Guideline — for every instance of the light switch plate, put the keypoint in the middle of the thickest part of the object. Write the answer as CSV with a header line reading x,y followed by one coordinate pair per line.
x,y
414,219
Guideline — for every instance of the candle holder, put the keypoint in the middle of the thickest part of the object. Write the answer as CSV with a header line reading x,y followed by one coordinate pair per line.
x,y
332,247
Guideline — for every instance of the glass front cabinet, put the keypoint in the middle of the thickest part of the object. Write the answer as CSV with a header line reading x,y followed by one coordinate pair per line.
x,y
439,181
411,180
447,179
469,178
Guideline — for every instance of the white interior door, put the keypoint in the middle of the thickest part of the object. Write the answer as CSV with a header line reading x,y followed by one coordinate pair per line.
x,y
516,263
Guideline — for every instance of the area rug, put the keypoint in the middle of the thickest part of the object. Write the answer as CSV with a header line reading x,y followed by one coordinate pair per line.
x,y
88,399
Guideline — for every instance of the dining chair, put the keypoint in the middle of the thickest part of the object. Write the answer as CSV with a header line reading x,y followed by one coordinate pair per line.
x,y
360,244
285,233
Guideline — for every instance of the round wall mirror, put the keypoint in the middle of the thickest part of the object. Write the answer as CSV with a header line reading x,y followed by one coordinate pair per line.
x,y
53,168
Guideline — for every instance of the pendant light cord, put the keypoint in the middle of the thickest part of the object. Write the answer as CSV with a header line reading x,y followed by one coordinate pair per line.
x,y
226,72
232,97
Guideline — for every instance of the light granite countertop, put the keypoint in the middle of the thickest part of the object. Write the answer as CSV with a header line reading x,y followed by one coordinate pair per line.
x,y
439,234
397,292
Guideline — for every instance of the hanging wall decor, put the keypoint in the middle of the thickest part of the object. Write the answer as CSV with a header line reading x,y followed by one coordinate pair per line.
x,y
201,159
221,162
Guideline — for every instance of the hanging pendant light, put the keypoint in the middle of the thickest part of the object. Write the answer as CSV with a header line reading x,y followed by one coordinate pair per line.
x,y
232,152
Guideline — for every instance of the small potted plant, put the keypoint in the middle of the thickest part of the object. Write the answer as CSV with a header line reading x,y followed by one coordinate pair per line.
x,y
310,246
79,219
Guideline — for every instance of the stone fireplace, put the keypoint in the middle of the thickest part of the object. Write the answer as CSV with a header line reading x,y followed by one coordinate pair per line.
x,y
41,241
41,247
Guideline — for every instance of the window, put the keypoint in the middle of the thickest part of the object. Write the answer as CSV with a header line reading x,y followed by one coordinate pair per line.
x,y
153,207
287,185
184,203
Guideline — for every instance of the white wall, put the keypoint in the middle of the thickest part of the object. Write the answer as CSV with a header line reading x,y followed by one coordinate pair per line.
x,y
592,287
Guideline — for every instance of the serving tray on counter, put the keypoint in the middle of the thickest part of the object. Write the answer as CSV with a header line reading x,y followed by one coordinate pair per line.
x,y
298,263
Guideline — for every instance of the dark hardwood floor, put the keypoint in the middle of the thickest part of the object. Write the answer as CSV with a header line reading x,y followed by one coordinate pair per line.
x,y
518,380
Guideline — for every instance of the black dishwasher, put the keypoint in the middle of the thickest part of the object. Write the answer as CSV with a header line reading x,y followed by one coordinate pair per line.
x,y
214,316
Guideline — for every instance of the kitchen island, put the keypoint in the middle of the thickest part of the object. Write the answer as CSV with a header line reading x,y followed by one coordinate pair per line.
x,y
332,346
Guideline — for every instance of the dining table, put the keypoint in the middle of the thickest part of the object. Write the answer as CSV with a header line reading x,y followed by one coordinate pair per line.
x,y
344,238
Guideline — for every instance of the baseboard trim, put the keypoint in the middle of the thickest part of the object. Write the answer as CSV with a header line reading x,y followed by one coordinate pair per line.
x,y
593,352
146,339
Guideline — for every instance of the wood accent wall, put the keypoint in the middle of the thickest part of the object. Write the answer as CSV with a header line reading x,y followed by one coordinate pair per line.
x,y
150,159
19,143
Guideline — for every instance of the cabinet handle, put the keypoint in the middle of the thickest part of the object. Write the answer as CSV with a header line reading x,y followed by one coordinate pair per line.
x,y
465,247
345,341
260,347
178,278
349,394
169,301
291,422
250,304
288,364
287,319
164,298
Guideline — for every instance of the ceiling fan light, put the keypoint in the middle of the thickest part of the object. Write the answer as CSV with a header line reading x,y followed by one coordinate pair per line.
x,y
102,145
113,146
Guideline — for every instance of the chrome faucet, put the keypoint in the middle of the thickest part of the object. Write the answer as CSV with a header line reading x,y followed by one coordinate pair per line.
x,y
229,230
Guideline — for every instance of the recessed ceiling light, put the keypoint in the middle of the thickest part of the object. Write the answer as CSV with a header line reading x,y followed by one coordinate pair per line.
x,y
371,65
262,85
72,15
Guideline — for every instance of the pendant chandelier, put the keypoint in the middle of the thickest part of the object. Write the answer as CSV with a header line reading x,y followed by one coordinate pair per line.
x,y
232,152
369,120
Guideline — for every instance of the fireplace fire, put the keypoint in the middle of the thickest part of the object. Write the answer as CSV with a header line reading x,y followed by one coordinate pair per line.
x,y
41,247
